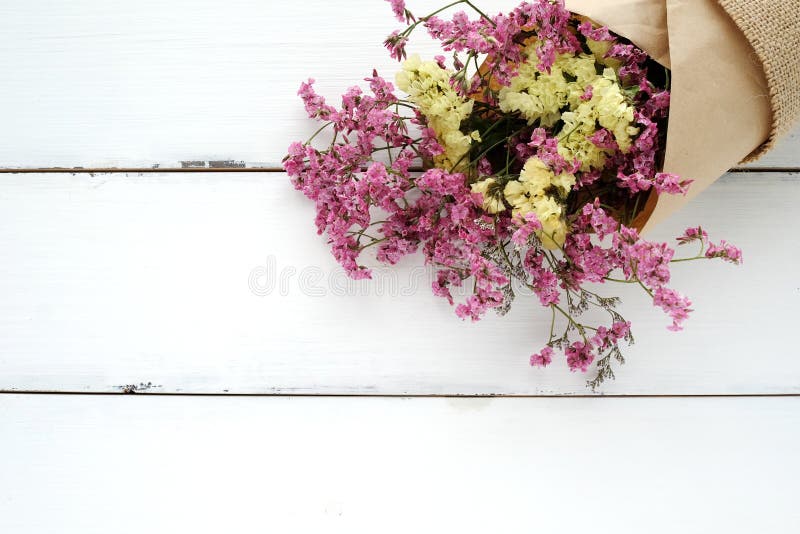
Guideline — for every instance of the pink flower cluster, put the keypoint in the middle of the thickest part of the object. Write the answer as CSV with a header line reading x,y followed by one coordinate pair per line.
x,y
497,36
724,250
333,178
590,256
345,183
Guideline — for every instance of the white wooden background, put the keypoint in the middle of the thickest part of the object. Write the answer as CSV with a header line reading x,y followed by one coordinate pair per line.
x,y
134,259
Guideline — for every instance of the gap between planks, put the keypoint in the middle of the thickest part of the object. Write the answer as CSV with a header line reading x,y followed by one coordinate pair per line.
x,y
156,170
400,395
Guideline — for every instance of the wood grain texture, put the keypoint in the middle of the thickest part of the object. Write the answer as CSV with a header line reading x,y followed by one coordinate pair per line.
x,y
84,465
115,83
218,283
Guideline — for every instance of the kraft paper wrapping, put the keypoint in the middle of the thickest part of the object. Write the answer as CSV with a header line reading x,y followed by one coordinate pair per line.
x,y
720,111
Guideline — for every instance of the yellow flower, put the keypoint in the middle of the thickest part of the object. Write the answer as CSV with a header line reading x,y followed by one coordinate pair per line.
x,y
574,142
581,67
600,49
610,110
428,86
492,195
536,175
553,232
530,194
519,196
547,207
559,95
535,95
564,183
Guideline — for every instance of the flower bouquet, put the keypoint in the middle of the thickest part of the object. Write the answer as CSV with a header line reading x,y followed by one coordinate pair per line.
x,y
534,157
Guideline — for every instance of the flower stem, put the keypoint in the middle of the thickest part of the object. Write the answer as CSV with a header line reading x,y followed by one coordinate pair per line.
x,y
481,13
411,28
318,132
580,327
688,259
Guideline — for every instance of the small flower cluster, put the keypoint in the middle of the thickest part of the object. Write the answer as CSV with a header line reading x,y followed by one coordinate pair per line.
x,y
527,163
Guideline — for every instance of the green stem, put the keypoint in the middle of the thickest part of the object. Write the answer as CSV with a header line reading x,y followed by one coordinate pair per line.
x,y
577,325
411,28
619,281
483,153
635,208
483,134
481,13
647,289
689,259
375,241
318,132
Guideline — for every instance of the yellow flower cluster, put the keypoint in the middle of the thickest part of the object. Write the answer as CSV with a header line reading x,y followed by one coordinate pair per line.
x,y
539,96
428,86
608,108
492,193
546,98
538,191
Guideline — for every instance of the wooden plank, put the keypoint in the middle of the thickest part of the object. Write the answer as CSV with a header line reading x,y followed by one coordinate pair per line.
x,y
218,283
115,83
87,465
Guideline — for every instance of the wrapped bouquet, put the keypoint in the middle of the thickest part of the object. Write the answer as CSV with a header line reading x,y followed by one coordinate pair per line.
x,y
535,154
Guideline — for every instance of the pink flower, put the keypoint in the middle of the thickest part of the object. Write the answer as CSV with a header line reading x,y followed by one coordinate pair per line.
x,y
542,358
595,34
394,248
663,183
430,147
621,329
552,22
400,12
546,149
543,281
439,181
594,218
635,181
633,60
294,163
650,262
484,167
487,293
658,104
674,304
446,278
602,138
528,224
725,251
461,33
671,184
396,45
695,233
605,337
579,356
314,103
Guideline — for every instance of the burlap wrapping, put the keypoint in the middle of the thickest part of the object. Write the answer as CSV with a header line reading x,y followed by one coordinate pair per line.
x,y
773,29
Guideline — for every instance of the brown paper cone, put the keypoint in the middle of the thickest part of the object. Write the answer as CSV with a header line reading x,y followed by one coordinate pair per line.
x,y
732,74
